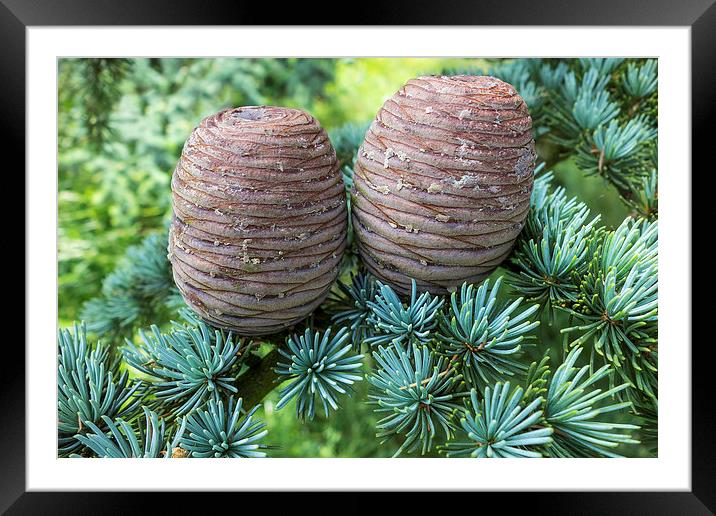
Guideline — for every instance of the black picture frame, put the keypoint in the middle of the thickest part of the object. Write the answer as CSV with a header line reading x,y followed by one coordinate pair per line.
x,y
700,15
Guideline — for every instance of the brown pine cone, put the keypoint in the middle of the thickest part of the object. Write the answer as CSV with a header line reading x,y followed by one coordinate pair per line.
x,y
260,219
443,181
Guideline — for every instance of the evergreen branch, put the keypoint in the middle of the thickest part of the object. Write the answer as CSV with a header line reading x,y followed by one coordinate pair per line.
x,y
618,317
644,197
552,78
634,244
395,322
318,367
220,431
592,109
416,392
89,386
349,305
618,300
501,426
140,289
552,253
188,366
647,413
602,66
122,442
537,379
618,152
572,407
640,81
579,107
484,335
550,209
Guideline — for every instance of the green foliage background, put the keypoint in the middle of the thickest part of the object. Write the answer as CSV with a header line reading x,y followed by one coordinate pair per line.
x,y
121,133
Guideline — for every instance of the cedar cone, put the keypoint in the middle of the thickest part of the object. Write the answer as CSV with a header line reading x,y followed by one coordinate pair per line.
x,y
260,219
443,182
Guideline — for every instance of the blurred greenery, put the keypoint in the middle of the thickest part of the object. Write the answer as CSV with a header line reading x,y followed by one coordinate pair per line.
x,y
121,130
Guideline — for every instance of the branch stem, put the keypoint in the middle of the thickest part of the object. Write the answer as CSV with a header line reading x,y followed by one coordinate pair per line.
x,y
427,380
259,380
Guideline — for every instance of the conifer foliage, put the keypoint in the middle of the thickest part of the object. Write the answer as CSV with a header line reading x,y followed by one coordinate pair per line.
x,y
555,355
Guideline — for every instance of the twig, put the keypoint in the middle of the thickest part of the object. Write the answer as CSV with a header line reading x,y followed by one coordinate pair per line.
x,y
427,380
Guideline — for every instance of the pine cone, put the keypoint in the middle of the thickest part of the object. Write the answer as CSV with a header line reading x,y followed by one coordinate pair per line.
x,y
443,182
260,220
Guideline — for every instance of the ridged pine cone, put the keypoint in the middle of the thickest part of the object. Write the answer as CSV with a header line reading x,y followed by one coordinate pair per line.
x,y
260,219
443,182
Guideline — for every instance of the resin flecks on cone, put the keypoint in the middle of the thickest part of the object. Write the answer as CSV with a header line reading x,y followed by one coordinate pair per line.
x,y
443,181
260,219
